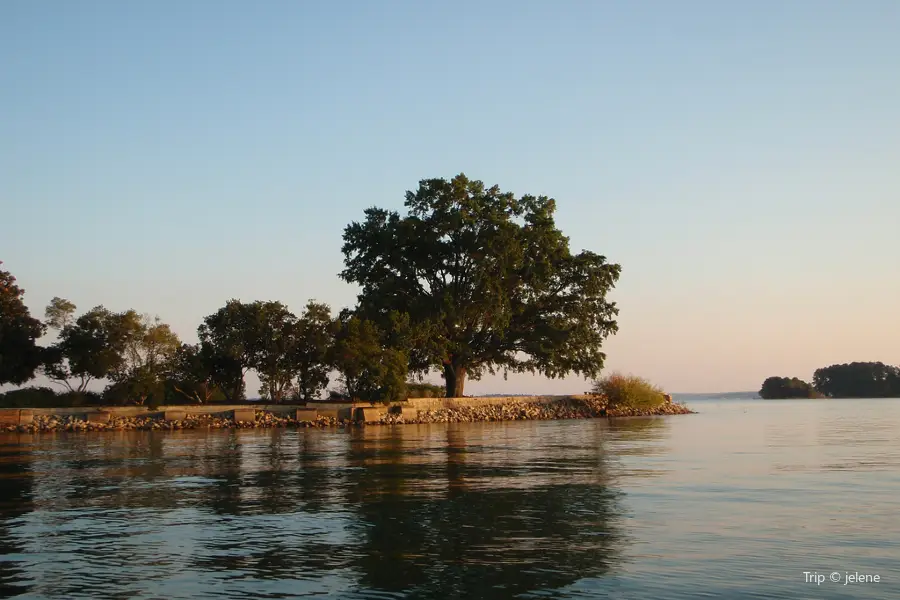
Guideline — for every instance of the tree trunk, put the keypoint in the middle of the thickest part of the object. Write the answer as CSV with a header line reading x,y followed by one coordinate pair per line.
x,y
455,378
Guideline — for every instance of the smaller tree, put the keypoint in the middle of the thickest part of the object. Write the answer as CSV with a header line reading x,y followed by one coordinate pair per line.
x,y
370,371
20,355
192,375
150,347
270,337
59,313
226,349
313,339
89,348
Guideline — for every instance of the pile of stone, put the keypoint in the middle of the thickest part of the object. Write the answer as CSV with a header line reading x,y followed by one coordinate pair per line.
x,y
264,419
586,408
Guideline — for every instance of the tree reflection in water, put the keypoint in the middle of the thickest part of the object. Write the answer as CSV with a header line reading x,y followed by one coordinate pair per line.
x,y
469,510
503,524
16,493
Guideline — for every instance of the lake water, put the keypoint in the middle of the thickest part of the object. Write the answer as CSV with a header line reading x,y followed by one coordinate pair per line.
x,y
735,502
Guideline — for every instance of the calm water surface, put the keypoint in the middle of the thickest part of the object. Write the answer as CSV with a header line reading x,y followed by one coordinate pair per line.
x,y
735,502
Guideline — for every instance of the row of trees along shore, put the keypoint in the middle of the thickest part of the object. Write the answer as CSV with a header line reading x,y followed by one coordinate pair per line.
x,y
470,280
852,380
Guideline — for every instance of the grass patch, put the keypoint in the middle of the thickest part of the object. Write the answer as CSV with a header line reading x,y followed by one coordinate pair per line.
x,y
629,391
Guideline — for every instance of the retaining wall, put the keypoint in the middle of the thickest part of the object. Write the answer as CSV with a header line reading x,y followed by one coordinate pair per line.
x,y
246,412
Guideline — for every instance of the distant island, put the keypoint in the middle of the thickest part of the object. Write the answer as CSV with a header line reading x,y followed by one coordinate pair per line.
x,y
717,395
851,380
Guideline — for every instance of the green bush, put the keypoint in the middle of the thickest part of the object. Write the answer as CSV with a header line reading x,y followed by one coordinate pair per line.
x,y
424,389
629,391
44,397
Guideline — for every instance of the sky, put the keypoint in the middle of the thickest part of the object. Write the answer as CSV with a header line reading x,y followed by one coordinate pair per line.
x,y
740,160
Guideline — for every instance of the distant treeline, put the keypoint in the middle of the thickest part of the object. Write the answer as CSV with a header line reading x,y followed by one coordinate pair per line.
x,y
853,380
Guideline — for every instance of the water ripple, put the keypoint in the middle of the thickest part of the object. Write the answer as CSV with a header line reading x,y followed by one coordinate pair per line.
x,y
736,502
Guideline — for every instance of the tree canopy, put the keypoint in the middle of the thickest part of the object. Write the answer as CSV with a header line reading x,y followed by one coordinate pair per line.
x,y
20,355
89,348
487,280
370,370
191,376
225,342
310,352
291,355
780,388
148,359
858,380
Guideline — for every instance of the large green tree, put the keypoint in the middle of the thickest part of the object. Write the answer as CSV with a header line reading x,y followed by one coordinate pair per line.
x,y
488,282
20,355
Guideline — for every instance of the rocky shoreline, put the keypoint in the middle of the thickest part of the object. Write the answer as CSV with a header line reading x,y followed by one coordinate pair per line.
x,y
531,411
512,411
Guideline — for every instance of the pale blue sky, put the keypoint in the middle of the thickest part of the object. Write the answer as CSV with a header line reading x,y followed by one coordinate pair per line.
x,y
741,160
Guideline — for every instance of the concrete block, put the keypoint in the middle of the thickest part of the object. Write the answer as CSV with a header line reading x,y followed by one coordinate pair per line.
x,y
26,416
370,414
99,417
246,415
174,415
409,412
306,414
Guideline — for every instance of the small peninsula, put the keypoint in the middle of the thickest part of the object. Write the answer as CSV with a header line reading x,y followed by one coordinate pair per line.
x,y
470,280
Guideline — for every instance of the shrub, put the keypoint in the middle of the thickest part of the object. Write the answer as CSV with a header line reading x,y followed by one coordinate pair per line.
x,y
424,389
79,399
44,397
629,391
31,397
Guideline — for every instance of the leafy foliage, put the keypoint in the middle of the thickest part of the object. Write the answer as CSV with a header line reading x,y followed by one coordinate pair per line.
x,y
150,349
369,370
91,347
487,280
270,338
191,377
858,380
628,391
310,353
59,313
267,337
20,355
418,389
225,345
777,388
